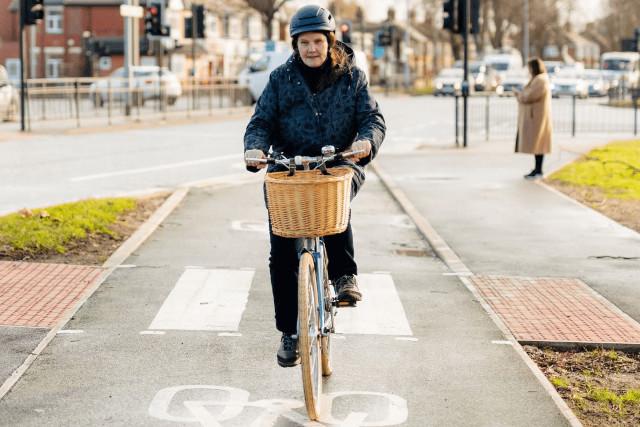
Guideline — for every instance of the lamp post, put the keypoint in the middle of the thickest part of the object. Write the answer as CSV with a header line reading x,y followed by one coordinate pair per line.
x,y
525,31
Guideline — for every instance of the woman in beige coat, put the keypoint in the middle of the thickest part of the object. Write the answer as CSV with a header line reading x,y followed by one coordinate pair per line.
x,y
534,116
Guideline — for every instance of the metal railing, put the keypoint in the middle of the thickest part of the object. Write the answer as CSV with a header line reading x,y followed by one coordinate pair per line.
x,y
492,115
75,102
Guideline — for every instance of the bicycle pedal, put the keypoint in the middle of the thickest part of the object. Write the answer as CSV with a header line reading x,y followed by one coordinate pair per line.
x,y
346,303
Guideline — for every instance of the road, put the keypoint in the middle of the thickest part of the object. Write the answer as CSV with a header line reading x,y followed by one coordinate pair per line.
x,y
420,351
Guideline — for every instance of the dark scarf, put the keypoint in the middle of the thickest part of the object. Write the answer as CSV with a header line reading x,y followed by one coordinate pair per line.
x,y
316,78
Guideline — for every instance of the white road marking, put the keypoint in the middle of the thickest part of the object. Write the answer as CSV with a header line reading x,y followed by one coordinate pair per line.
x,y
229,334
205,300
126,266
254,226
70,331
379,313
155,168
462,274
406,339
501,342
209,406
152,332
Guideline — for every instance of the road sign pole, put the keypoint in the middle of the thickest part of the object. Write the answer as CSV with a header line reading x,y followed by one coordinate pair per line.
x,y
22,83
465,82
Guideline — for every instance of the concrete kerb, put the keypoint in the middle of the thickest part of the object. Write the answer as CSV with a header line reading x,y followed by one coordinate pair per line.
x,y
455,264
130,245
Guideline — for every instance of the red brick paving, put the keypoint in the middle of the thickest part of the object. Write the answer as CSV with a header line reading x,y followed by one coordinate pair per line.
x,y
39,295
556,309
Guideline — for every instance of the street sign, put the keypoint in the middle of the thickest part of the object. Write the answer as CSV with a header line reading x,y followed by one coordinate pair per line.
x,y
129,11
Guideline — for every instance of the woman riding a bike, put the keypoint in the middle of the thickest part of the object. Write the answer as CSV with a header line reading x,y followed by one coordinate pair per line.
x,y
318,97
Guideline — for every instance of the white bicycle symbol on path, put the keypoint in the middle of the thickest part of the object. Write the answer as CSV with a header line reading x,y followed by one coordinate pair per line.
x,y
233,401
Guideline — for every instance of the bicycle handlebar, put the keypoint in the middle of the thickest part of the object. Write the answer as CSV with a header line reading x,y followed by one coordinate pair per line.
x,y
302,160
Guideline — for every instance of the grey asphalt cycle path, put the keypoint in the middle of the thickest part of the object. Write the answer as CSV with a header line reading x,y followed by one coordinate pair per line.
x,y
499,223
449,372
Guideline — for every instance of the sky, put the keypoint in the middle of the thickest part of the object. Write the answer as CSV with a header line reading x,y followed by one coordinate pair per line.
x,y
587,10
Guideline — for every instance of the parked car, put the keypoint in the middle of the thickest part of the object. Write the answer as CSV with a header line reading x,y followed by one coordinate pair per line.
x,y
514,80
504,63
569,83
9,98
448,81
596,82
482,77
145,83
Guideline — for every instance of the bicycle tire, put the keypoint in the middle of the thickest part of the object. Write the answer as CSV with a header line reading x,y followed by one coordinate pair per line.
x,y
309,336
325,341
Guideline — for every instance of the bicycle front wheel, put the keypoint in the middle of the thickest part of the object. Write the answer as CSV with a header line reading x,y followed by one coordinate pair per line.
x,y
309,336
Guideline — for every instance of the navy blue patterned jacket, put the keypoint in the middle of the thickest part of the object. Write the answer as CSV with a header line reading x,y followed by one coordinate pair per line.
x,y
294,121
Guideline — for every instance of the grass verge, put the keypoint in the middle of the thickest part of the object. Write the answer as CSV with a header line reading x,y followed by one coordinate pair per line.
x,y
602,387
84,232
606,179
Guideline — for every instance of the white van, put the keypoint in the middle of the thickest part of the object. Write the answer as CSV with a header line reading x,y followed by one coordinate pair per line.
x,y
9,98
504,63
256,75
621,68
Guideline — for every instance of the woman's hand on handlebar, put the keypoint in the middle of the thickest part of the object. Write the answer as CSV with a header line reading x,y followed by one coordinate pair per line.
x,y
362,149
251,155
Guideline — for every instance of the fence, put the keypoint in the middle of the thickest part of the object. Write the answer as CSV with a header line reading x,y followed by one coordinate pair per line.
x,y
498,116
83,101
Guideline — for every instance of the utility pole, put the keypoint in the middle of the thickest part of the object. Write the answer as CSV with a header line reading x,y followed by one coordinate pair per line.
x,y
22,83
127,61
525,31
465,82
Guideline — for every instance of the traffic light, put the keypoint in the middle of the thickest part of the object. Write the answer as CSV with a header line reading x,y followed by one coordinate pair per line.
x,y
153,20
199,16
450,20
345,30
31,11
475,16
636,34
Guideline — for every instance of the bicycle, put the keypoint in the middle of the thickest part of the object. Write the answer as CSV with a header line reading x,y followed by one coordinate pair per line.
x,y
317,299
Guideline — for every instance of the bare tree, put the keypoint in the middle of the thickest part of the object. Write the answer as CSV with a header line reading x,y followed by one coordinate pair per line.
x,y
267,10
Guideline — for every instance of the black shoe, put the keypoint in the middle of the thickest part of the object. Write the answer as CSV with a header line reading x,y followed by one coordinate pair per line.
x,y
534,174
288,352
347,289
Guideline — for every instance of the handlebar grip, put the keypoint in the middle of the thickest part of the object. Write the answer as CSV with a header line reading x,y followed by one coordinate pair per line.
x,y
346,154
260,160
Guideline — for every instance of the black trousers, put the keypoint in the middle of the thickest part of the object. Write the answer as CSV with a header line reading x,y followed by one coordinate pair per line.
x,y
283,266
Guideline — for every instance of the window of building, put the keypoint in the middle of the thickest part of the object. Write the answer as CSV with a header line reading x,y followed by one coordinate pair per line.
x,y
226,21
246,27
13,68
53,19
54,66
212,25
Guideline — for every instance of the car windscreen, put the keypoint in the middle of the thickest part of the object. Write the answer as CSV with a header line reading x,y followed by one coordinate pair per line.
x,y
616,64
500,66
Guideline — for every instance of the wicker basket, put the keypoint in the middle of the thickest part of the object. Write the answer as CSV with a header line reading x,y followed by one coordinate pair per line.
x,y
309,204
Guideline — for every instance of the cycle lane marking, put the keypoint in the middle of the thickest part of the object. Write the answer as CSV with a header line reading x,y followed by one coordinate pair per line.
x,y
379,313
209,405
205,300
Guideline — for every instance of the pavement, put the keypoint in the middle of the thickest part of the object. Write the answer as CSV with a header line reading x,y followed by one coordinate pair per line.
x,y
450,361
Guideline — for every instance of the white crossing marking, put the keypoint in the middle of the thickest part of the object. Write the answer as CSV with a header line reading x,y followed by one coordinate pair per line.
x,y
229,334
205,300
70,331
152,332
406,339
379,313
501,342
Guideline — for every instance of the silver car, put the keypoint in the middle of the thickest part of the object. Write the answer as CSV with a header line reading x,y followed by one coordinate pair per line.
x,y
145,85
9,98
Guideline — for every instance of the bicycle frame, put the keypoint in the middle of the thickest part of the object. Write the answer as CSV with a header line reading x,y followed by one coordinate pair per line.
x,y
315,246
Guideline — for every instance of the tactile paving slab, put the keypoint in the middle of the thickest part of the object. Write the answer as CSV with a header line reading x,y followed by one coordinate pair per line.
x,y
38,294
561,310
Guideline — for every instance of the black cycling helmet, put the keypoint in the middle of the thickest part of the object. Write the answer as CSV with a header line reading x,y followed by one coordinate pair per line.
x,y
311,18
